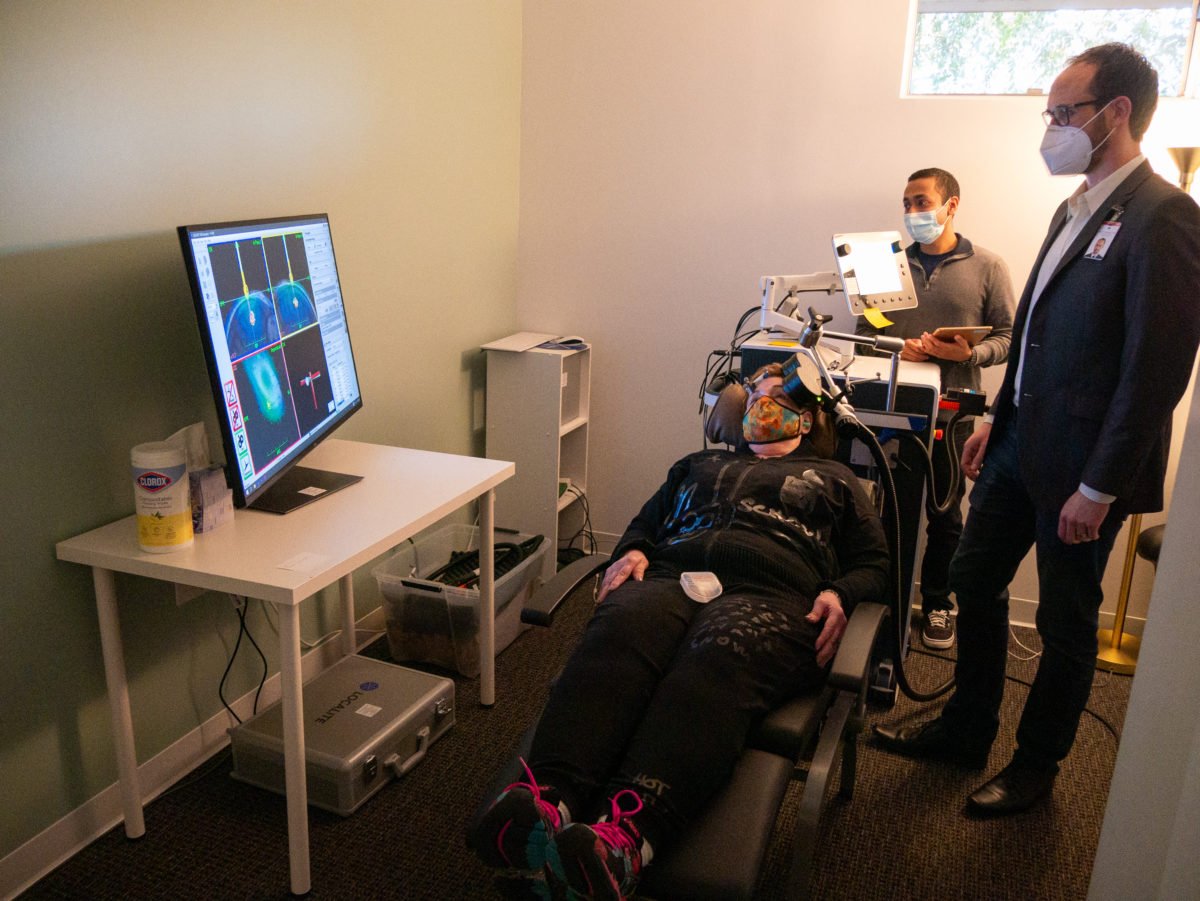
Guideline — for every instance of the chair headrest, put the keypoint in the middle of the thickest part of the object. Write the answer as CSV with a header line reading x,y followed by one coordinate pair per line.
x,y
724,424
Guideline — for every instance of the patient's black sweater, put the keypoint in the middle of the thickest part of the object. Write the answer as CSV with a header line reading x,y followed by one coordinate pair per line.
x,y
798,523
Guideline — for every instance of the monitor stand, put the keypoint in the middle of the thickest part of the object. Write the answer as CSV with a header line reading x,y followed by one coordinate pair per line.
x,y
299,486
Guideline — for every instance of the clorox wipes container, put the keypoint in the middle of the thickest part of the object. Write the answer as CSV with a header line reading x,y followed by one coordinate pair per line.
x,y
160,490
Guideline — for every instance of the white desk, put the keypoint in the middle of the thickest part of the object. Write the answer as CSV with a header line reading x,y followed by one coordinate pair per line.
x,y
285,559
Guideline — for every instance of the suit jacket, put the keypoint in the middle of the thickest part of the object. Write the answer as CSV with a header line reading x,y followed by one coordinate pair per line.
x,y
1109,350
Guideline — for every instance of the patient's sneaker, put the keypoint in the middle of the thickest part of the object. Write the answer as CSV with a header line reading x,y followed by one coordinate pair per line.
x,y
939,628
602,861
516,829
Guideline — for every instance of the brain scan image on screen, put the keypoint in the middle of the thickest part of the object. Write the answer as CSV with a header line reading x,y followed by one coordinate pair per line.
x,y
273,326
244,290
264,287
272,333
267,405
250,324
294,307
287,266
264,382
308,377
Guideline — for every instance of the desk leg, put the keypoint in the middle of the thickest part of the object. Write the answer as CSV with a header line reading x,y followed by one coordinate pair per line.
x,y
293,746
487,600
118,701
349,629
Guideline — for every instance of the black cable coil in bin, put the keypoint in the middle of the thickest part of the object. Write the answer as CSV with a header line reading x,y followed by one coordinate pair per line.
x,y
462,570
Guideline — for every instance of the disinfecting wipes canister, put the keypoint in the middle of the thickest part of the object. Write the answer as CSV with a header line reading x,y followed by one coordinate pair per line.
x,y
160,490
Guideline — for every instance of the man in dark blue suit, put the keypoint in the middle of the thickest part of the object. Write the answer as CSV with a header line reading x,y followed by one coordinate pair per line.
x,y
1103,344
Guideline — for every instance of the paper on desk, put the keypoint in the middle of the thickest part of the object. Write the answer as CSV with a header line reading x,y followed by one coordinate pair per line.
x,y
306,563
519,342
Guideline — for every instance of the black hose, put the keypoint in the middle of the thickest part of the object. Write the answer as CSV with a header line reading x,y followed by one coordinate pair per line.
x,y
934,507
893,536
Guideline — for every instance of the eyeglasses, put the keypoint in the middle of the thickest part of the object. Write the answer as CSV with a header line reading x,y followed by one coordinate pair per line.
x,y
1061,114
775,393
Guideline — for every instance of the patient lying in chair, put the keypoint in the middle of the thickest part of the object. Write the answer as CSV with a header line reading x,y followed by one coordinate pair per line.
x,y
653,708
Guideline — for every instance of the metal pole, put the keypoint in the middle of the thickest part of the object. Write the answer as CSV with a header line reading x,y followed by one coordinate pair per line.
x,y
1118,651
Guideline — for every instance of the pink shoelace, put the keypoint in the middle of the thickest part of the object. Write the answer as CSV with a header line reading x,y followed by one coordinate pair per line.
x,y
550,810
611,832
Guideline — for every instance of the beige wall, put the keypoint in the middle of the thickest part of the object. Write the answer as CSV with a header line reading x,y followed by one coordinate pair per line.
x,y
674,152
122,120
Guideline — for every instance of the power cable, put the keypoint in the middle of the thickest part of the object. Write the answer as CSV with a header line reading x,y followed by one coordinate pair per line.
x,y
240,606
1017,679
585,529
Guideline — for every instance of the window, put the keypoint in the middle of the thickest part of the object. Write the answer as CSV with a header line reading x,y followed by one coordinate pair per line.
x,y
1018,46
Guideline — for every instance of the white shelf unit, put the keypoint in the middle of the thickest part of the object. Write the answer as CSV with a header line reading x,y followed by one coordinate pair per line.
x,y
537,416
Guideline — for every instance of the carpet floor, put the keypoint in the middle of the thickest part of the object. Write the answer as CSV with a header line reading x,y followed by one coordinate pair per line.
x,y
903,836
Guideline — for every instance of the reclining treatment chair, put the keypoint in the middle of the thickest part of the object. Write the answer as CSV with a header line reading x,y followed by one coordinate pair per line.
x,y
721,854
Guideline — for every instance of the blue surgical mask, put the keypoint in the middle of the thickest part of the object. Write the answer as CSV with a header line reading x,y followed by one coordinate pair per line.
x,y
924,228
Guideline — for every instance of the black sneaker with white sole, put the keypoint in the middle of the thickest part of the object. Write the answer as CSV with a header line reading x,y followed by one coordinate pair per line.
x,y
938,631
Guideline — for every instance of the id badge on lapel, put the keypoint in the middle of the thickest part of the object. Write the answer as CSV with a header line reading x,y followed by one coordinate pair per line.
x,y
1105,235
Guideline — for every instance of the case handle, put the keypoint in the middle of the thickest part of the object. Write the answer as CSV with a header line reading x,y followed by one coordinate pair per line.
x,y
401,769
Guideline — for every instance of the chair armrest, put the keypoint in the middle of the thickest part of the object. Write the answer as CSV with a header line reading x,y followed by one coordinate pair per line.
x,y
852,662
539,609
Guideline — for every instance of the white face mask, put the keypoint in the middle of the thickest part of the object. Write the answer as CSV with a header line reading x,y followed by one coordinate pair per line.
x,y
1067,149
924,228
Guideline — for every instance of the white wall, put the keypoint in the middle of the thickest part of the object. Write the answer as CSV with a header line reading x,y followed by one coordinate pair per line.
x,y
674,152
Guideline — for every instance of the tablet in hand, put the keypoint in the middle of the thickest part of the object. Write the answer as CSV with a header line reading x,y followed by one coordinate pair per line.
x,y
973,333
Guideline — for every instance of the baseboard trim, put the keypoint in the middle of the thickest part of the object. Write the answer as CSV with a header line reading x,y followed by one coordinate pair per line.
x,y
62,840
1023,612
606,542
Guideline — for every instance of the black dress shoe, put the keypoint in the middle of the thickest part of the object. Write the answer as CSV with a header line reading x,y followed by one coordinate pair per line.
x,y
931,741
1014,789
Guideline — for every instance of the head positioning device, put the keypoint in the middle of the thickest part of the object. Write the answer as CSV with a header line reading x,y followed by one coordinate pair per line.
x,y
801,383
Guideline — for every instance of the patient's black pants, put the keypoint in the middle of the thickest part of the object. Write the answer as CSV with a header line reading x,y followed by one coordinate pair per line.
x,y
661,692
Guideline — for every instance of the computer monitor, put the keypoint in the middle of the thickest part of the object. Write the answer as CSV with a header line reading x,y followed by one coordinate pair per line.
x,y
874,271
273,326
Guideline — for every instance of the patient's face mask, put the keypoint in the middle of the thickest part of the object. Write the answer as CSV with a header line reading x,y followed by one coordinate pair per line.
x,y
924,228
1067,150
768,421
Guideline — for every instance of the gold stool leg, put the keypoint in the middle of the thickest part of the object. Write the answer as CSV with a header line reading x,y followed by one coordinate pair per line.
x,y
1119,652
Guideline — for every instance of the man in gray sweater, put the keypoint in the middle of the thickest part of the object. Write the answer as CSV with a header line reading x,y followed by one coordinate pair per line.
x,y
958,284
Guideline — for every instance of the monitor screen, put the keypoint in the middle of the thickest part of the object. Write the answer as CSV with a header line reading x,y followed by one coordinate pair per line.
x,y
273,325
874,271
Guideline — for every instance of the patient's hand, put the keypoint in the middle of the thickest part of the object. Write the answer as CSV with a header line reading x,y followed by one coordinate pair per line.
x,y
632,563
828,607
